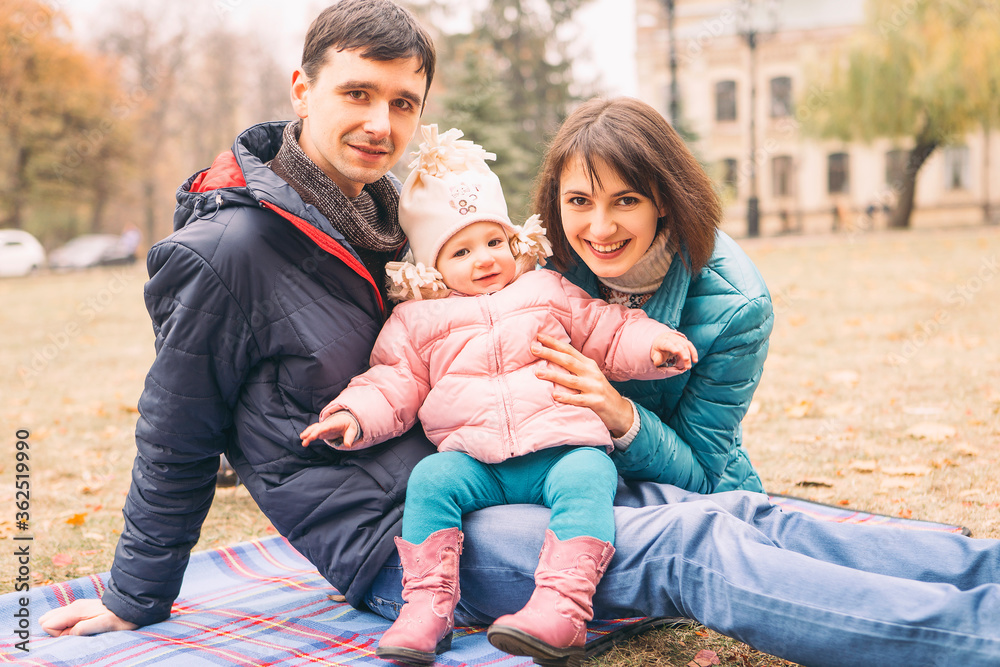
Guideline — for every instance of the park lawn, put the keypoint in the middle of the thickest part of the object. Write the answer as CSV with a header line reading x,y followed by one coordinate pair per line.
x,y
881,392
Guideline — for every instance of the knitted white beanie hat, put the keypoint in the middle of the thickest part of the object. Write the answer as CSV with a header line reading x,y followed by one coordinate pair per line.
x,y
450,188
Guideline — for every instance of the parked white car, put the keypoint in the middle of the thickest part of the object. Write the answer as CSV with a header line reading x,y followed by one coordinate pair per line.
x,y
20,253
93,250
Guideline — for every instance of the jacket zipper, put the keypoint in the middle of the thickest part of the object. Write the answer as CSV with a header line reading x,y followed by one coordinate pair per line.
x,y
507,432
331,246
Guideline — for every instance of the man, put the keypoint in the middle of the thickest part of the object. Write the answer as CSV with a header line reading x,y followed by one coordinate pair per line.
x,y
267,300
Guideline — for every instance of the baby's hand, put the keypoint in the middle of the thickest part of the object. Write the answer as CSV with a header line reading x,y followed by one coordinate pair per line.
x,y
340,424
673,349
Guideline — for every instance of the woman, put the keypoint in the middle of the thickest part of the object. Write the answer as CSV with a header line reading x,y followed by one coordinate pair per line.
x,y
633,219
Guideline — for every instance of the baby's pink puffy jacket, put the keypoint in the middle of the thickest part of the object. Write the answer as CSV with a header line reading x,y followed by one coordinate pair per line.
x,y
463,366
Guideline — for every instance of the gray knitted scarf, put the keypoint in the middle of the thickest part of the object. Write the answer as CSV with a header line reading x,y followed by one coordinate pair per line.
x,y
369,221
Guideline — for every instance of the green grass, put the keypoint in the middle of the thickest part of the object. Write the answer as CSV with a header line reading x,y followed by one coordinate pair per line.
x,y
882,386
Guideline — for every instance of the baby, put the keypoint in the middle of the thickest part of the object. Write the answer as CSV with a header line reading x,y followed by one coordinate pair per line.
x,y
457,355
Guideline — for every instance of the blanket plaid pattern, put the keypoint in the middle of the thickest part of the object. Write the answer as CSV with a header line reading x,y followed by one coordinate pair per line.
x,y
262,603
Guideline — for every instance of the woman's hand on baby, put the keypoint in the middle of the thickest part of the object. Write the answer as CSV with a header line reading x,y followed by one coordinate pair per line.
x,y
675,350
582,384
340,424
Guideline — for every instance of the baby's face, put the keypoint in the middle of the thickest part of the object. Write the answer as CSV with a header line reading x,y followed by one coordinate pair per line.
x,y
477,260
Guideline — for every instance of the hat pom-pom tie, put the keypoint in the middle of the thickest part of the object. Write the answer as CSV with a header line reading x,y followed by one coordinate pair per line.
x,y
441,154
531,240
414,281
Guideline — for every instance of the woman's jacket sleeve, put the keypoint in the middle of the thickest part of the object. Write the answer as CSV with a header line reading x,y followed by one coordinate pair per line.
x,y
693,445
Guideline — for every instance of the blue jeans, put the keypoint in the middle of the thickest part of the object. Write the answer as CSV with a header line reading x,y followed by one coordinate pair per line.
x,y
815,592
576,483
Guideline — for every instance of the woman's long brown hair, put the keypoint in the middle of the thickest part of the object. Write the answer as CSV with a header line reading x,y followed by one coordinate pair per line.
x,y
641,147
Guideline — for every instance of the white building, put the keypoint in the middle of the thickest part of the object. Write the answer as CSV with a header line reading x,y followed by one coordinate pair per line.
x,y
800,181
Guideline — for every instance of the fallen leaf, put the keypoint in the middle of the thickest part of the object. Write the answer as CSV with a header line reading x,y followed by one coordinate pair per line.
x,y
935,431
863,466
845,502
815,481
906,514
907,471
705,658
62,560
799,410
77,519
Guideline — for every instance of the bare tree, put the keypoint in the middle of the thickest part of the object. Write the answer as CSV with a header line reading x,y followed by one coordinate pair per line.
x,y
153,46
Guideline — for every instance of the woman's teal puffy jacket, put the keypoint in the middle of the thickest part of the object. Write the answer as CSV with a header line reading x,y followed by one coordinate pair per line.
x,y
690,433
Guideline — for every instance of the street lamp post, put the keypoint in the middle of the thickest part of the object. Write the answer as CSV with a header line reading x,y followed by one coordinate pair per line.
x,y
753,203
752,34
672,36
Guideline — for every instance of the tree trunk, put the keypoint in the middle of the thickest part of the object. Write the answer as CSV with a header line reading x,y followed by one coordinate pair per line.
x,y
904,203
101,196
19,190
99,181
149,202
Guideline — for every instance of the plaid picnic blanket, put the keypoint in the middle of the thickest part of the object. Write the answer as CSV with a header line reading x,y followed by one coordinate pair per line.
x,y
262,603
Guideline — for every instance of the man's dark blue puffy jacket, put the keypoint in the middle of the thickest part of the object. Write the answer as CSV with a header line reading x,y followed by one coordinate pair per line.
x,y
262,314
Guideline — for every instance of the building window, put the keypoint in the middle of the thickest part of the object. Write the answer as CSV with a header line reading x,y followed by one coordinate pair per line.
x,y
895,167
956,168
729,175
725,101
781,97
781,175
838,173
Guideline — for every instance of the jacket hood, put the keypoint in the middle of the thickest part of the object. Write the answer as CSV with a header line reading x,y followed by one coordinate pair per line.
x,y
241,177
236,178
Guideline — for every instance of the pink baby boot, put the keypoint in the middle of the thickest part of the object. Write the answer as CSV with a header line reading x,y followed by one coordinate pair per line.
x,y
430,590
552,627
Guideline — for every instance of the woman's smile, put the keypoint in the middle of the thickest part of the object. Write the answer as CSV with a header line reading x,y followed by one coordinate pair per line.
x,y
608,248
607,222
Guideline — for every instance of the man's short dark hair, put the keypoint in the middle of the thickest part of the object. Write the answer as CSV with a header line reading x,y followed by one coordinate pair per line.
x,y
381,28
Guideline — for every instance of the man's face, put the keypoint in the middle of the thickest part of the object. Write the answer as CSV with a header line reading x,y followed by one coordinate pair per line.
x,y
358,115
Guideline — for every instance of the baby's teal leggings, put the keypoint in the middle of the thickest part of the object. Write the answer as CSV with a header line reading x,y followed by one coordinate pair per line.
x,y
577,483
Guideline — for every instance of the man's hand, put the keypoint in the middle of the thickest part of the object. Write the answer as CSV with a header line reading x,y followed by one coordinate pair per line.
x,y
340,424
673,349
83,617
